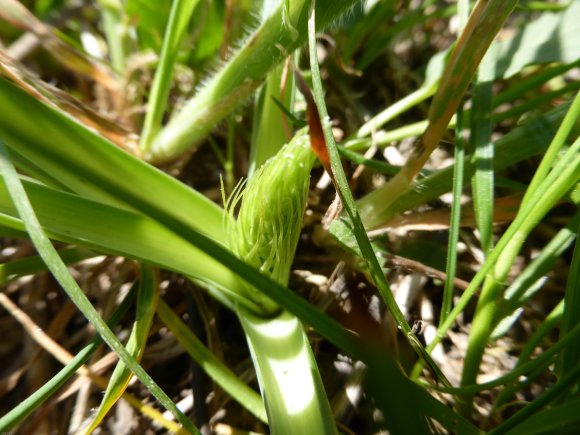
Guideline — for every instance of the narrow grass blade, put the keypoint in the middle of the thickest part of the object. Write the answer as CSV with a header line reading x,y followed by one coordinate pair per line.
x,y
396,109
36,399
350,207
147,297
556,145
571,357
560,418
483,150
529,281
60,272
376,165
34,264
551,321
458,175
540,402
181,11
215,369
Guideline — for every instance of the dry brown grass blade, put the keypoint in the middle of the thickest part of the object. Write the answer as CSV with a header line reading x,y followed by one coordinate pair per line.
x,y
484,23
505,210
64,357
16,14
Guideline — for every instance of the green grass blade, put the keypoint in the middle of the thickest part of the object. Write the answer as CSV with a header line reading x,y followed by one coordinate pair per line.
x,y
539,402
560,418
571,356
555,146
268,134
524,286
458,176
483,150
376,165
529,84
62,275
36,399
551,321
396,109
34,264
181,11
350,207
215,369
147,297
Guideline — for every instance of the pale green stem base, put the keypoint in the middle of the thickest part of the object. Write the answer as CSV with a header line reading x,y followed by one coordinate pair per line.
x,y
295,399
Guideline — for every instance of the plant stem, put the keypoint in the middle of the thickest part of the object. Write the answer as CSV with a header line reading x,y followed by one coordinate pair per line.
x,y
282,32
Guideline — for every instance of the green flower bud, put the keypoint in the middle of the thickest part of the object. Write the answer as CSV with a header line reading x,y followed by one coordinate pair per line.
x,y
269,222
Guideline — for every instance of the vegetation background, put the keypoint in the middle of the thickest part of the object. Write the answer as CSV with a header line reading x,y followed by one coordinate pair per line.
x,y
289,216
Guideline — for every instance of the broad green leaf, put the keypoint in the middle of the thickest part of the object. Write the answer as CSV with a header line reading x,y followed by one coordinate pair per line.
x,y
551,38
114,231
92,167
